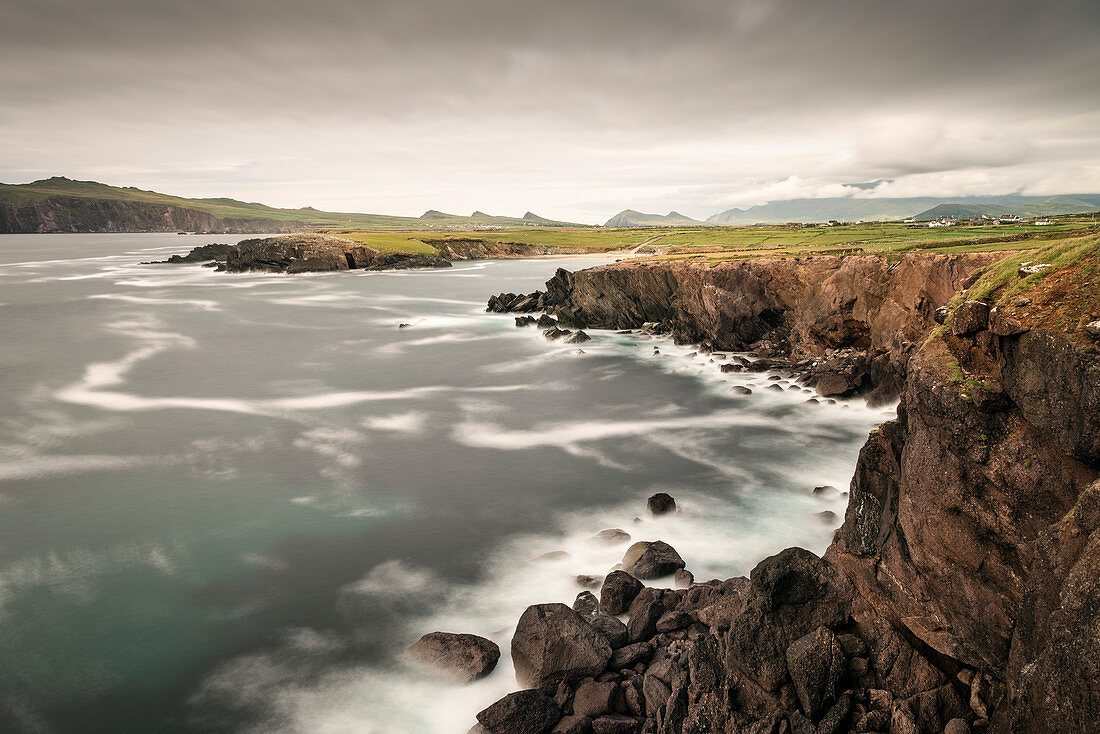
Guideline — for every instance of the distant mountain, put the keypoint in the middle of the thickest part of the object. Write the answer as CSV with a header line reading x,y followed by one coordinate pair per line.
x,y
1050,206
60,204
631,218
850,209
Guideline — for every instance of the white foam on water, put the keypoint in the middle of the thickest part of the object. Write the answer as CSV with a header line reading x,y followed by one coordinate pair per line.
x,y
205,305
408,423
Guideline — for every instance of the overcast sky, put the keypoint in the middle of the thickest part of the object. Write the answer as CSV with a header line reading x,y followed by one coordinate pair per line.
x,y
574,109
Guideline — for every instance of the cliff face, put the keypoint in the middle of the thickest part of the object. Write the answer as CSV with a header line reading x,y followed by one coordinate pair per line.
x,y
798,308
302,253
475,248
75,214
962,592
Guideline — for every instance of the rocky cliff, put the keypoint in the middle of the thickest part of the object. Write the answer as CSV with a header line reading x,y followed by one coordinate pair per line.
x,y
477,248
301,253
851,321
962,592
78,214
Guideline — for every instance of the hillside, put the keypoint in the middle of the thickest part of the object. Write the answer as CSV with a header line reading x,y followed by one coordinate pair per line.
x,y
851,209
60,204
631,218
1051,206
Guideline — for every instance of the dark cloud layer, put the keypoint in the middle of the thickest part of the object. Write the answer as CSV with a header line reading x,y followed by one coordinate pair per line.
x,y
574,105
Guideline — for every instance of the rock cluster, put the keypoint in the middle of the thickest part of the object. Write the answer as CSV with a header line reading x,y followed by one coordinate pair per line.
x,y
851,323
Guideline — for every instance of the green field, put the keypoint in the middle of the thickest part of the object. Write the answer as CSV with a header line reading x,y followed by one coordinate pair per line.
x,y
724,243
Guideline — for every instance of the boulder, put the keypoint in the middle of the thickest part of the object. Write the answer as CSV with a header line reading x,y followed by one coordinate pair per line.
x,y
611,536
545,322
969,318
957,726
460,657
611,628
586,605
619,589
577,337
740,390
573,725
594,698
816,664
522,321
1093,328
646,609
1001,324
555,333
661,503
553,643
630,655
940,315
522,712
683,578
588,581
650,560
616,724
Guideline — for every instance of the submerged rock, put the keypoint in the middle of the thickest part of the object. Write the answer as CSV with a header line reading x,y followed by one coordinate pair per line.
x,y
611,536
650,560
460,657
661,503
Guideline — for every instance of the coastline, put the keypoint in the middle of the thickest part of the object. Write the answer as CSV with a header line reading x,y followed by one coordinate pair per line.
x,y
934,607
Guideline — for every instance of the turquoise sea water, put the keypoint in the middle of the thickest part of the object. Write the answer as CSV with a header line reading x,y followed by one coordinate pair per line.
x,y
228,502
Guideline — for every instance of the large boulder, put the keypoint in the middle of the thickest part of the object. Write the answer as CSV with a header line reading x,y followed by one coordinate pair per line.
x,y
611,628
619,589
522,712
970,317
594,698
651,560
460,657
816,664
661,503
553,643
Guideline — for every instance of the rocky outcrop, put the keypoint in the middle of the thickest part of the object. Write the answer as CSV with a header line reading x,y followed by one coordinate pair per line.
x,y
962,592
201,254
852,322
301,253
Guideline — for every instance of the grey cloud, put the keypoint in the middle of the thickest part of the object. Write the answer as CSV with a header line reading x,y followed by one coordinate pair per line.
x,y
700,91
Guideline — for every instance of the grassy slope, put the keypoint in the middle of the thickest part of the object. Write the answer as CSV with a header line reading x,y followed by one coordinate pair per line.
x,y
1061,298
19,194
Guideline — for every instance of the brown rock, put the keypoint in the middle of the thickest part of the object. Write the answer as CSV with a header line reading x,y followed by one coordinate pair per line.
x,y
522,712
553,643
460,657
593,698
619,590
661,503
970,317
650,560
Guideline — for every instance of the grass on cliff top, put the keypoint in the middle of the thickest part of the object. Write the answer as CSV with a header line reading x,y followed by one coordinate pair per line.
x,y
716,244
1061,298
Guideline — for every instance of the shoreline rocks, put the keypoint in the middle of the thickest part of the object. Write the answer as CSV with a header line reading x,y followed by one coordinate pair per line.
x,y
460,657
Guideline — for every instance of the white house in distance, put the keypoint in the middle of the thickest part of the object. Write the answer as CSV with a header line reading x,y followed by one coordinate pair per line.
x,y
1008,219
1044,222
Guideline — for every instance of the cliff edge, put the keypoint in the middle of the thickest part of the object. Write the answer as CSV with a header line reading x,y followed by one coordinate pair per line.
x,y
962,592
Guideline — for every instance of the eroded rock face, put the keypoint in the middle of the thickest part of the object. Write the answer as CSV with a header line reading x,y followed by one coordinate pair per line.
x,y
302,253
802,306
460,657
553,643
